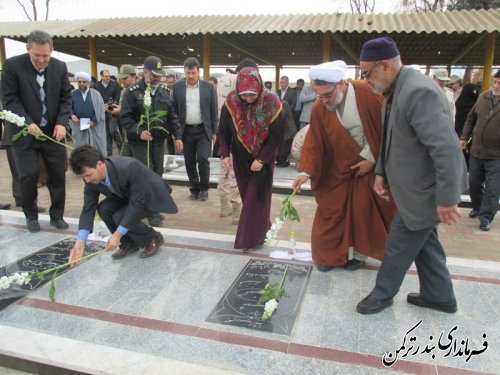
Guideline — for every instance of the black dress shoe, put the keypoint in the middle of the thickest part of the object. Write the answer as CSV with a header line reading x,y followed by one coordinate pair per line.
x,y
371,305
353,265
322,268
33,225
153,247
485,226
59,224
447,307
194,196
203,195
124,250
5,206
473,214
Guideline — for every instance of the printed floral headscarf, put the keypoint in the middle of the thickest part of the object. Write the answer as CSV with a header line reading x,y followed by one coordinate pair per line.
x,y
252,120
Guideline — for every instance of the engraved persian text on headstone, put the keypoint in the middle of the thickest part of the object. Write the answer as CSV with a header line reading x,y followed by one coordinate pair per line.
x,y
240,305
49,257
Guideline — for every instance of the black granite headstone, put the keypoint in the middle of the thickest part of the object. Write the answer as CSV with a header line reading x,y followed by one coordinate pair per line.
x,y
240,305
49,257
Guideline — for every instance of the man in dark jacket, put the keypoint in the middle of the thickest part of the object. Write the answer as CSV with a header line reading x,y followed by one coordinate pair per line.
x,y
132,192
483,124
132,108
147,140
36,86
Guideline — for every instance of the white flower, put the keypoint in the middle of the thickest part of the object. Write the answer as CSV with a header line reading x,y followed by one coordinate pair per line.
x,y
12,118
147,97
17,278
272,233
269,308
271,305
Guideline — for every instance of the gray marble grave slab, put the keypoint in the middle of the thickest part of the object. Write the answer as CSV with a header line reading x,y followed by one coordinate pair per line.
x,y
41,260
240,305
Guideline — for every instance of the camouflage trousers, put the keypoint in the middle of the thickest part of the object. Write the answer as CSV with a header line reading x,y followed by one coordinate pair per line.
x,y
227,187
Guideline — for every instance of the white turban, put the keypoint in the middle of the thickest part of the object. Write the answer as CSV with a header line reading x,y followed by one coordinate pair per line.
x,y
333,71
83,75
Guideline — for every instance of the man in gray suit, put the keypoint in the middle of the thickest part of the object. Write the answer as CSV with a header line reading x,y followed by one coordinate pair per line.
x,y
196,104
420,163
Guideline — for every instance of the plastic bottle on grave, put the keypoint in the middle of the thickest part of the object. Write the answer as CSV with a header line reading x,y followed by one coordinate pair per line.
x,y
292,244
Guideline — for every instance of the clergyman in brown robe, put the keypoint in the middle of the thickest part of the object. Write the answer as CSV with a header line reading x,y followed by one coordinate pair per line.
x,y
339,155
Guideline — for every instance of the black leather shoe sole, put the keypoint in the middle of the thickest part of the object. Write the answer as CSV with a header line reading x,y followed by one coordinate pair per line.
x,y
373,306
447,307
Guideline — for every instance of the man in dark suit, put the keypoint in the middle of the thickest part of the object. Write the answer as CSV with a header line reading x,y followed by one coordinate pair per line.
x,y
420,164
196,104
287,93
36,87
133,192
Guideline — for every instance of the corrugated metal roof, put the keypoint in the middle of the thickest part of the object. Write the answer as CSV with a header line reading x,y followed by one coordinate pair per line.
x,y
424,38
424,22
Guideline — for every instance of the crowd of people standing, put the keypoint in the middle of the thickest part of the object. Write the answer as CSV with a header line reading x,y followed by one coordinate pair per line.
x,y
382,153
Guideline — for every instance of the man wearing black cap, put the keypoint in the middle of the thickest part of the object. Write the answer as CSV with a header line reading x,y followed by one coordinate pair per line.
x,y
483,125
419,167
138,134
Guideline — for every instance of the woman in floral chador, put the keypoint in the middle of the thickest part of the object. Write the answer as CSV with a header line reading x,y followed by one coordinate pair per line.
x,y
251,129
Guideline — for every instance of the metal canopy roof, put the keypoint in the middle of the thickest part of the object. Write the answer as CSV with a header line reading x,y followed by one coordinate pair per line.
x,y
442,38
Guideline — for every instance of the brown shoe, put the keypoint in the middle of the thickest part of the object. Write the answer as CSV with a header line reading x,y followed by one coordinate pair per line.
x,y
153,247
124,250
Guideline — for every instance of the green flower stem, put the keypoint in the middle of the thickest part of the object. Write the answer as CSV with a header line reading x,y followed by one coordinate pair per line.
x,y
282,282
38,136
42,274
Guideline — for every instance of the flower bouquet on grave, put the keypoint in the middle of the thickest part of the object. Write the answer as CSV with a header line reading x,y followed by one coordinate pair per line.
x,y
20,122
21,278
150,118
271,294
288,211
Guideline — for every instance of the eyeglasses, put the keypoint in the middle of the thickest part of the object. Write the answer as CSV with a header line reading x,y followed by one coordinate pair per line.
x,y
367,73
328,94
